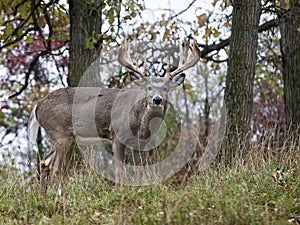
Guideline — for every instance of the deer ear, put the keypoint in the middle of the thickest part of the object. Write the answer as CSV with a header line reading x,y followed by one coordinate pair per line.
x,y
177,80
137,79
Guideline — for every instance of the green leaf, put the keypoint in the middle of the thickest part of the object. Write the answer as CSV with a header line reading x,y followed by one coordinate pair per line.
x,y
29,40
111,16
90,43
24,10
188,86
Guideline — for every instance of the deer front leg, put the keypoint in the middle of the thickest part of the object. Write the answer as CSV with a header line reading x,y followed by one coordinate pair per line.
x,y
119,158
138,157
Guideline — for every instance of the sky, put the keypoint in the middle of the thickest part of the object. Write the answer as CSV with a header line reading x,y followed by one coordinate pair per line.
x,y
176,6
154,9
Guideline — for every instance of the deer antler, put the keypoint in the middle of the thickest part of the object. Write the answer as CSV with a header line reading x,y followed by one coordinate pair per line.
x,y
189,56
125,59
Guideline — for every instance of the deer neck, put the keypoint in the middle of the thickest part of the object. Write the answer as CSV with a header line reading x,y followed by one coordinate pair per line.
x,y
151,120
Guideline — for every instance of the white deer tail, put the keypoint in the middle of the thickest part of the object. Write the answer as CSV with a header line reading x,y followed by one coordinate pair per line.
x,y
33,126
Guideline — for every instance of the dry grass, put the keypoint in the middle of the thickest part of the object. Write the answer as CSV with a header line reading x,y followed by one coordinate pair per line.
x,y
264,190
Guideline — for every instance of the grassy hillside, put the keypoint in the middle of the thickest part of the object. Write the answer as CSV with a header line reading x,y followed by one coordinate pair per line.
x,y
246,194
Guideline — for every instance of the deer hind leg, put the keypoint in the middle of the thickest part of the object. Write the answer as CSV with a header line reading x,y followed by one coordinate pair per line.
x,y
45,171
62,148
53,162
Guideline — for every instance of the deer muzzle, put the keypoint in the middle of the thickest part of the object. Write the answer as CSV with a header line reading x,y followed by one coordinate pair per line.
x,y
157,100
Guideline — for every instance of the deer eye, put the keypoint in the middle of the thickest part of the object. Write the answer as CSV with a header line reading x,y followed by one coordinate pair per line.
x,y
165,89
149,88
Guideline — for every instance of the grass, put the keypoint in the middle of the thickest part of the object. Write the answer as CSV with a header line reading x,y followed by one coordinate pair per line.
x,y
240,195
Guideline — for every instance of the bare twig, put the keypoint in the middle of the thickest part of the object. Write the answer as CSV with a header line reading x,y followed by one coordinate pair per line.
x,y
184,10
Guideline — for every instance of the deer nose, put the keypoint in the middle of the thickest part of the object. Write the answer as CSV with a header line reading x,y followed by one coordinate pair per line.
x,y
157,100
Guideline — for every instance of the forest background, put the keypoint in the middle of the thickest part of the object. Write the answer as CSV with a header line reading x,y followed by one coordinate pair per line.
x,y
249,66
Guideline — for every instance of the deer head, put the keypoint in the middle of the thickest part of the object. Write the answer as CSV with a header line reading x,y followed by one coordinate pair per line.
x,y
157,88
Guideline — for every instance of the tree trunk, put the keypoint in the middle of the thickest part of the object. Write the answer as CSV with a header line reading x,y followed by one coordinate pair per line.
x,y
238,96
85,41
85,46
290,51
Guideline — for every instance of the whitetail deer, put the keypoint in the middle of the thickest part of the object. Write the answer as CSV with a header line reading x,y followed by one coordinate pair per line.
x,y
83,114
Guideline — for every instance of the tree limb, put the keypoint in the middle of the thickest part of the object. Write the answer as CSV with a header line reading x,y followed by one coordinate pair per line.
x,y
184,10
214,47
27,74
268,25
224,43
47,43
18,38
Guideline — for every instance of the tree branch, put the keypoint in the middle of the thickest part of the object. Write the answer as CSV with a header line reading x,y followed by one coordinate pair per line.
x,y
18,38
21,26
224,43
184,10
35,21
27,74
47,43
214,47
268,25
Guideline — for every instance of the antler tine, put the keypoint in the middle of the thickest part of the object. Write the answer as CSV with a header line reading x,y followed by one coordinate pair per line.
x,y
146,69
125,59
189,56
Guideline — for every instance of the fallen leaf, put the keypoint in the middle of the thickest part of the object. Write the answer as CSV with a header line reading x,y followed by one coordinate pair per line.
x,y
278,177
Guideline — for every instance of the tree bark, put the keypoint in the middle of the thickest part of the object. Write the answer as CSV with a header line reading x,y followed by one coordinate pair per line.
x,y
238,97
290,51
85,40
